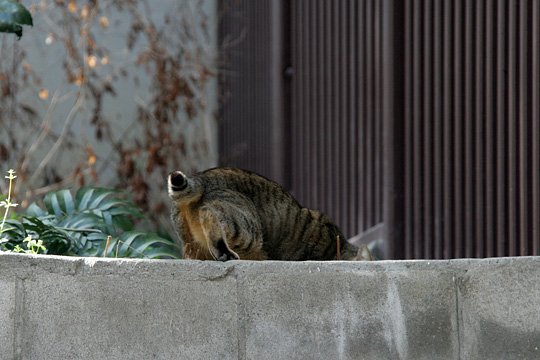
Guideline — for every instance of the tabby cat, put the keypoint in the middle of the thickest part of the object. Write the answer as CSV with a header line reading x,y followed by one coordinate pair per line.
x,y
226,213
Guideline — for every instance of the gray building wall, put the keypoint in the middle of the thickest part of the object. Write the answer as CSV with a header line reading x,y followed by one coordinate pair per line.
x,y
62,107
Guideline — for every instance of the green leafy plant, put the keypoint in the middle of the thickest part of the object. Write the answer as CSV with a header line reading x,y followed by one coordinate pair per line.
x,y
12,16
32,246
7,204
93,222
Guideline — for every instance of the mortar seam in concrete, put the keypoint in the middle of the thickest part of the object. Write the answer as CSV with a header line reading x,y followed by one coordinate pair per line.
x,y
458,315
350,308
18,319
240,316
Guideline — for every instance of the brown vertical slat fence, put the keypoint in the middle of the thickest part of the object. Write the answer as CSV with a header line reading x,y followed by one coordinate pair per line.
x,y
471,150
250,121
336,110
413,120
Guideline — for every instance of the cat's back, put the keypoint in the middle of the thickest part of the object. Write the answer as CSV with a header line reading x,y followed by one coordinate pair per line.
x,y
289,231
262,191
275,208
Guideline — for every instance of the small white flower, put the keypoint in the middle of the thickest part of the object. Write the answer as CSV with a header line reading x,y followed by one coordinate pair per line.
x,y
11,175
7,204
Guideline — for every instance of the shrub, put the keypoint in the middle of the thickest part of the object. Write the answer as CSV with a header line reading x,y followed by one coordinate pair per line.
x,y
93,222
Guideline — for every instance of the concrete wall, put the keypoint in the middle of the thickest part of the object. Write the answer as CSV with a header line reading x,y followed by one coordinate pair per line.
x,y
86,308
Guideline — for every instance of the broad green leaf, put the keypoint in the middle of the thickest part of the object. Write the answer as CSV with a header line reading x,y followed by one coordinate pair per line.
x,y
153,241
120,207
52,204
14,230
35,210
82,221
83,197
58,211
127,243
123,222
100,195
66,201
11,28
96,241
142,243
12,16
111,250
107,216
54,239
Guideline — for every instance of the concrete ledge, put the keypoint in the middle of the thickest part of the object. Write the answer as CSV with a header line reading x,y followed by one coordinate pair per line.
x,y
91,308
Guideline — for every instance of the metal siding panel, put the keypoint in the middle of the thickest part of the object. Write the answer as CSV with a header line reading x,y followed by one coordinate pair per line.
x,y
448,129
512,52
353,178
317,105
469,100
535,119
245,131
368,144
393,105
408,109
305,179
378,119
317,128
490,118
248,61
304,182
523,133
298,68
335,120
458,133
320,79
427,119
299,103
501,120
438,139
343,145
377,116
479,214
326,119
337,117
417,126
362,115
333,123
308,179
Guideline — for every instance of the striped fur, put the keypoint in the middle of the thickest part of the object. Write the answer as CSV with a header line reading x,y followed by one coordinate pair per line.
x,y
227,213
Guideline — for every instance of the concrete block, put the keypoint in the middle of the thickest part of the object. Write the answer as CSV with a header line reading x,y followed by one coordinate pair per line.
x,y
348,311
8,294
420,314
499,302
130,310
